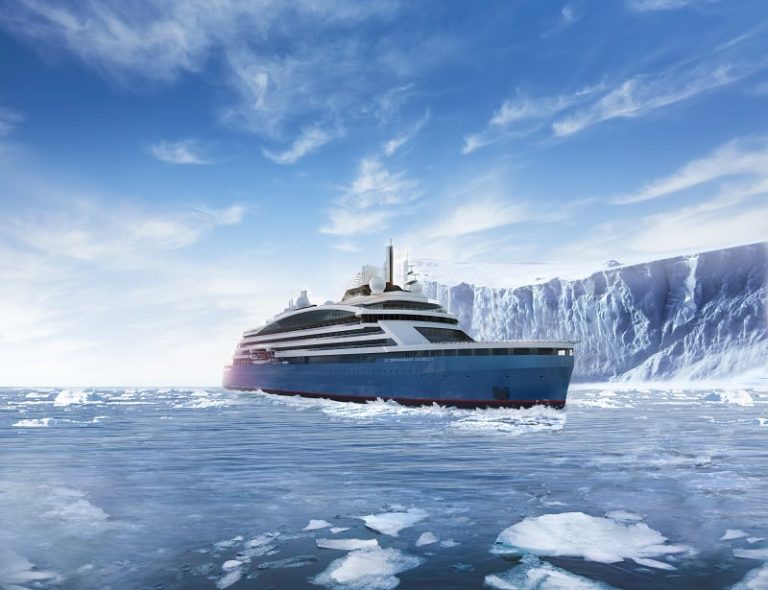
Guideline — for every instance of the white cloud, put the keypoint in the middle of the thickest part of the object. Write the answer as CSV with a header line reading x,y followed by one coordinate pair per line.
x,y
9,120
123,237
310,140
739,157
394,144
184,151
478,216
523,115
312,75
346,246
655,5
375,196
641,95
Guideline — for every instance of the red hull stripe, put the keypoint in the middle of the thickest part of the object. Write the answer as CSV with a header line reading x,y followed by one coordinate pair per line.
x,y
459,403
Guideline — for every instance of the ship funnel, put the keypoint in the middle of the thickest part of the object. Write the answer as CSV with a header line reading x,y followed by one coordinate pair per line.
x,y
390,263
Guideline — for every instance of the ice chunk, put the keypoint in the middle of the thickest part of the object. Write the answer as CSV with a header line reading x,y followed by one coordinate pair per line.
x,y
736,398
347,544
575,534
367,569
295,561
731,534
751,540
757,579
339,529
752,553
448,543
426,539
230,578
652,563
231,564
68,397
33,423
228,543
15,571
534,574
391,523
316,525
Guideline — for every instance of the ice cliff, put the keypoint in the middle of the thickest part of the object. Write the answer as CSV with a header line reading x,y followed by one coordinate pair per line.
x,y
688,317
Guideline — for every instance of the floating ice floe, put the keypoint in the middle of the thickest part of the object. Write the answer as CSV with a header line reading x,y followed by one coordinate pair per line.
x,y
367,569
18,573
339,529
33,423
391,523
228,543
68,397
231,577
735,398
751,540
347,544
731,534
575,534
315,525
426,539
757,579
534,574
752,553
448,543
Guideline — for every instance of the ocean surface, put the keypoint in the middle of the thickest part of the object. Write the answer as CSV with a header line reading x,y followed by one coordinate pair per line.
x,y
204,488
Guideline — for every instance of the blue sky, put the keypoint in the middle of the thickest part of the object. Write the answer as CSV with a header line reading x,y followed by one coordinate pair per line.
x,y
170,174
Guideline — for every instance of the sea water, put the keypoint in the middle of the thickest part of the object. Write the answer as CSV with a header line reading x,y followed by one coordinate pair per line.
x,y
204,488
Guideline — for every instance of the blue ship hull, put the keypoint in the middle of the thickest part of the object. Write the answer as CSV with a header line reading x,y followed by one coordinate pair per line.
x,y
462,381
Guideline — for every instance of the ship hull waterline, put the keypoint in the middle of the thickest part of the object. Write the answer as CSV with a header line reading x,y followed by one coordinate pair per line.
x,y
466,382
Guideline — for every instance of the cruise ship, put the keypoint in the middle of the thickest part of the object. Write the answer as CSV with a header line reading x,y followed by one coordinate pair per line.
x,y
390,342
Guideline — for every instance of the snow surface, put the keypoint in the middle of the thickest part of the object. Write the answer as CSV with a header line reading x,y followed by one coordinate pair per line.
x,y
391,523
688,317
575,534
367,569
534,574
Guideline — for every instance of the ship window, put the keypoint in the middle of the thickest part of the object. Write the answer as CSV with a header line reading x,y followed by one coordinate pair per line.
x,y
310,319
333,345
411,305
438,335
377,317
339,334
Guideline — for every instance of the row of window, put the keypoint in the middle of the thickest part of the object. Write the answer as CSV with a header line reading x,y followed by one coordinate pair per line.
x,y
310,319
376,317
338,334
440,335
417,354
416,305
364,344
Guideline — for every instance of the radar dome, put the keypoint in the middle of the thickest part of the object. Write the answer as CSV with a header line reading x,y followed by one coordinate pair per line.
x,y
303,300
416,288
377,285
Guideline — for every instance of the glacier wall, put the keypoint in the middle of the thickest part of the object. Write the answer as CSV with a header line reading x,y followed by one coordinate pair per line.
x,y
688,317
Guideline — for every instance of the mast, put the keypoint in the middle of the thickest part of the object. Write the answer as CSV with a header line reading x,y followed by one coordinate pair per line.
x,y
390,265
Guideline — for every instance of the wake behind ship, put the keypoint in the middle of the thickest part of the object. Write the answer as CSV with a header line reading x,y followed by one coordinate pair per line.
x,y
384,341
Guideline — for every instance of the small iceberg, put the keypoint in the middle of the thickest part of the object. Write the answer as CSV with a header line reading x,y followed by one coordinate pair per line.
x,y
367,569
426,539
575,534
534,574
315,525
391,523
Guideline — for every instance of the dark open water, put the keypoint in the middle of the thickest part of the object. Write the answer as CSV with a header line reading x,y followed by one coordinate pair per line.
x,y
202,488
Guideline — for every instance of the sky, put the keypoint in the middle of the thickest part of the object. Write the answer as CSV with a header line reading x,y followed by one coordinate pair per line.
x,y
171,173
